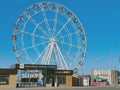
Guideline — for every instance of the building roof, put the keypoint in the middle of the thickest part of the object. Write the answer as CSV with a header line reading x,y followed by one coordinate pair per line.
x,y
7,71
33,66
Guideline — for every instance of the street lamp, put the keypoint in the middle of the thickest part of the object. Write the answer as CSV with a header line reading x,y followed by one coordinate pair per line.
x,y
119,61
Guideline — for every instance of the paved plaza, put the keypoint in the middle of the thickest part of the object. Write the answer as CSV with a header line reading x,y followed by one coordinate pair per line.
x,y
70,88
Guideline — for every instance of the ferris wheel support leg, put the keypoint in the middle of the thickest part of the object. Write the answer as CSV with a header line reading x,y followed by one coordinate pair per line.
x,y
48,55
44,59
51,50
60,63
62,58
56,81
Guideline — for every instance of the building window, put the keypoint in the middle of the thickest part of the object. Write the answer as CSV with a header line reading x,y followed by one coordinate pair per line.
x,y
62,79
4,79
119,80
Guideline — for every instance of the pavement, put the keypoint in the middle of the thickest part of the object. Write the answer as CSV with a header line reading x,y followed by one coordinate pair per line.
x,y
70,88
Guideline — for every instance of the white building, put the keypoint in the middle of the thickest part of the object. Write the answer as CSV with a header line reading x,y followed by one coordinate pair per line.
x,y
110,75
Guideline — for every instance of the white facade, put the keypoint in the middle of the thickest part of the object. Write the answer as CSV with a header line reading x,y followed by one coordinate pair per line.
x,y
86,81
109,75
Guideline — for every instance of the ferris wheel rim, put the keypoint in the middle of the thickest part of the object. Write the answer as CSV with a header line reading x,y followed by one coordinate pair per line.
x,y
56,36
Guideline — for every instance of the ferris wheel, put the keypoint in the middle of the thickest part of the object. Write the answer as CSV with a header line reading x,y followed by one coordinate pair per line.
x,y
49,33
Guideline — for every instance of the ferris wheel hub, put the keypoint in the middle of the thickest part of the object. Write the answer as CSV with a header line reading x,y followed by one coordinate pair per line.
x,y
52,40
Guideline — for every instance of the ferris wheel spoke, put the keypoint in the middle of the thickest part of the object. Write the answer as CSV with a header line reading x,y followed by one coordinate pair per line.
x,y
77,61
35,35
72,59
45,32
74,62
69,44
36,45
18,43
35,49
38,26
32,20
50,54
27,56
67,35
55,57
55,20
42,37
47,23
42,56
63,27
46,56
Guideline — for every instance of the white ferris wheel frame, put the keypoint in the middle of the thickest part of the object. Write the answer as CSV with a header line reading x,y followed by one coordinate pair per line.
x,y
52,49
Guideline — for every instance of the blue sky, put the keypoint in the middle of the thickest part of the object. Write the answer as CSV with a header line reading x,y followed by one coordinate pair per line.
x,y
101,21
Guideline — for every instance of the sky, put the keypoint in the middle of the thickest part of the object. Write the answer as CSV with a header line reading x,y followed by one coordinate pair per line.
x,y
101,22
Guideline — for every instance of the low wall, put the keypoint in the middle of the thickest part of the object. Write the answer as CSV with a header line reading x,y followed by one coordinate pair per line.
x,y
12,82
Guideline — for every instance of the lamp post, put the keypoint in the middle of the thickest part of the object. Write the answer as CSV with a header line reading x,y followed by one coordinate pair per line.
x,y
113,67
111,50
117,75
119,62
119,71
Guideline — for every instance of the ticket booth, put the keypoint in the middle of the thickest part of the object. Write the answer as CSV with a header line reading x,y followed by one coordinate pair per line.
x,y
60,78
35,75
